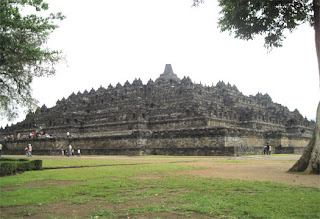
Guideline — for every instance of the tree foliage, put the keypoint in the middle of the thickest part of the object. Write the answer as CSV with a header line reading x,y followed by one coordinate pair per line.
x,y
24,31
270,18
248,18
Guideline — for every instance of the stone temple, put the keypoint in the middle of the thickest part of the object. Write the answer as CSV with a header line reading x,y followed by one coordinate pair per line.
x,y
168,116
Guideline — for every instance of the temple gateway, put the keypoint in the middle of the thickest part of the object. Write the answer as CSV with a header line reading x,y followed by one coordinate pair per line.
x,y
168,116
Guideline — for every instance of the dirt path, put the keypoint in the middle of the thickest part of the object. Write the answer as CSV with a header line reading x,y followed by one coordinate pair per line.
x,y
256,168
266,171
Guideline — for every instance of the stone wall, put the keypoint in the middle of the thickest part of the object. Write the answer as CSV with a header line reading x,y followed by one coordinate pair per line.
x,y
197,142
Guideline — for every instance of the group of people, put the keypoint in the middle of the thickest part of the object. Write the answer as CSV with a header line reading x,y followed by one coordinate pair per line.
x,y
67,152
28,150
69,135
70,151
31,135
267,149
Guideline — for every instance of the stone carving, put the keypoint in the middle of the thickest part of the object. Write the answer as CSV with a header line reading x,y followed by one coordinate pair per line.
x,y
163,114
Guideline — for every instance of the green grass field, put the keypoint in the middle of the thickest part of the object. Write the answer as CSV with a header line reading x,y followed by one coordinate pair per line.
x,y
147,191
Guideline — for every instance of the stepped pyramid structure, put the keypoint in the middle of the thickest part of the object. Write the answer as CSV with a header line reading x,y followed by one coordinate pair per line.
x,y
166,116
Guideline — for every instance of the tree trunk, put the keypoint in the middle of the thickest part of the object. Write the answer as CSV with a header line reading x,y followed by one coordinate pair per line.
x,y
310,160
316,8
314,163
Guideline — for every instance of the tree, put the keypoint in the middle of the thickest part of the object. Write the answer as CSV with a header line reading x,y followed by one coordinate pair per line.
x,y
24,32
248,18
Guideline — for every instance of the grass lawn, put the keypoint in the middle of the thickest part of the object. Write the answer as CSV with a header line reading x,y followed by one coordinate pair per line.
x,y
147,191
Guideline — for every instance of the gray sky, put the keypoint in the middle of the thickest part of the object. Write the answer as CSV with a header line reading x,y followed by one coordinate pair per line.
x,y
113,41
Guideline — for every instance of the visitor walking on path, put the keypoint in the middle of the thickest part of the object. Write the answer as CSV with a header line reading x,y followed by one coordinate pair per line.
x,y
268,148
264,149
66,151
26,149
30,150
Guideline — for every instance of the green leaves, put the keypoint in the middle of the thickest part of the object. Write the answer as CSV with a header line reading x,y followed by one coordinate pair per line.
x,y
22,53
248,18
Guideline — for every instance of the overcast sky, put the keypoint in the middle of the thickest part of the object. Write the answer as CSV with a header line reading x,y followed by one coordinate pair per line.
x,y
107,42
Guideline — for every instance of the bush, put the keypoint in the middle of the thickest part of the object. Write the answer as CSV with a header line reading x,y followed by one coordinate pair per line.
x,y
22,159
6,159
25,166
31,166
21,166
37,164
12,159
7,167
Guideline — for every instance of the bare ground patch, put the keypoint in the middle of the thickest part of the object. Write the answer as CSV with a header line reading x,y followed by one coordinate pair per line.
x,y
56,209
95,209
147,176
254,170
43,184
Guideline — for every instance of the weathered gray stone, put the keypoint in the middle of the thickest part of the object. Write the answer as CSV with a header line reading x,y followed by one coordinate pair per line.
x,y
168,116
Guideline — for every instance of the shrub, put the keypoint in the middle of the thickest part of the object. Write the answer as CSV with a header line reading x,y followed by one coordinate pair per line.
x,y
25,166
7,167
22,159
6,159
37,164
31,165
21,166
12,159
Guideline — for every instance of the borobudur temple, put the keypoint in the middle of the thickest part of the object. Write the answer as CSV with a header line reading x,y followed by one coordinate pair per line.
x,y
168,116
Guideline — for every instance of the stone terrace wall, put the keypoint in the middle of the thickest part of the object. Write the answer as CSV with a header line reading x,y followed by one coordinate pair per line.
x,y
218,141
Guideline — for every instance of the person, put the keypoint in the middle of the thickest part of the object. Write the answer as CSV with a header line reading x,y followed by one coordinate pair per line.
x,y
62,152
264,149
26,149
78,152
268,148
0,149
72,152
70,149
68,134
30,150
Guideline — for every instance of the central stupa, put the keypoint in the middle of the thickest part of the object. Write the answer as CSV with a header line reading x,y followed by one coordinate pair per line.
x,y
168,75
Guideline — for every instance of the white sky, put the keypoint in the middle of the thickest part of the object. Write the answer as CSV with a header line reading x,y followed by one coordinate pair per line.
x,y
113,41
